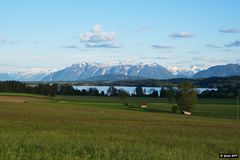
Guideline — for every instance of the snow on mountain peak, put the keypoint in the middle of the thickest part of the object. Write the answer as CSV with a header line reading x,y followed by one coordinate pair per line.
x,y
186,71
36,71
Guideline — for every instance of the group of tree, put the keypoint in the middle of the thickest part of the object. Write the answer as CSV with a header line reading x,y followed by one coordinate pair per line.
x,y
46,89
227,91
168,92
212,82
55,89
19,87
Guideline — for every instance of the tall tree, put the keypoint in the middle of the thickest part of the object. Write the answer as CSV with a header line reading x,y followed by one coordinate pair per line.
x,y
139,91
163,92
170,93
186,97
112,91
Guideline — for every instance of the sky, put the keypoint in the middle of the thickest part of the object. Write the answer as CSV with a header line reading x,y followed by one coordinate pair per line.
x,y
57,33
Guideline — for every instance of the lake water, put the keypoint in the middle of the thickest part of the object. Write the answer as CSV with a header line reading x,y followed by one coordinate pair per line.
x,y
131,90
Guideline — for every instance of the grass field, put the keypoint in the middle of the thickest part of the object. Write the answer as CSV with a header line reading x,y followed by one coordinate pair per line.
x,y
37,127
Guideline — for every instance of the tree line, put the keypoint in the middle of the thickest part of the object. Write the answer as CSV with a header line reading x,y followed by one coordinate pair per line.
x,y
168,92
227,91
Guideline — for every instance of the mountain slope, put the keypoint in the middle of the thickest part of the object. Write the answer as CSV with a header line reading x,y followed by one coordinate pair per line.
x,y
219,71
5,76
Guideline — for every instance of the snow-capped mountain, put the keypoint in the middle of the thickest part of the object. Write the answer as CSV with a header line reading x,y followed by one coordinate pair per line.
x,y
83,71
186,72
34,74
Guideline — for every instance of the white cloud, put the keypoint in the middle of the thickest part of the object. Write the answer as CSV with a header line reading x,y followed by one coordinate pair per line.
x,y
97,28
161,46
181,35
229,30
106,45
96,38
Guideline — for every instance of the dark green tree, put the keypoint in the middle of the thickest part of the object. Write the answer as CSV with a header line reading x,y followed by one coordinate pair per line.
x,y
66,90
139,91
53,90
163,92
84,92
154,93
112,91
186,97
102,93
93,92
122,92
170,93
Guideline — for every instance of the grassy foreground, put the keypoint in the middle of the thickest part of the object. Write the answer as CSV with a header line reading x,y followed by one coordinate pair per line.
x,y
103,128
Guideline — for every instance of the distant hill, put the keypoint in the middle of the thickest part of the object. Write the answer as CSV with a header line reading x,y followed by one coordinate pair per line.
x,y
212,82
111,77
219,71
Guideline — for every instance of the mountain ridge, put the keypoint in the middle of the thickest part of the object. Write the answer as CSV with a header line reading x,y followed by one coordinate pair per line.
x,y
117,71
85,70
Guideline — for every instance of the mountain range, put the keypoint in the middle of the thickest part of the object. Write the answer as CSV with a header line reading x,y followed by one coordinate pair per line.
x,y
84,71
96,72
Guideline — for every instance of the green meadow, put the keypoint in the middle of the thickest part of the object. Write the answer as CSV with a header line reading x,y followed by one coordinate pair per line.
x,y
35,127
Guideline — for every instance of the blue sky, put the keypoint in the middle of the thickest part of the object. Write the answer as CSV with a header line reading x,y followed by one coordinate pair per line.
x,y
57,33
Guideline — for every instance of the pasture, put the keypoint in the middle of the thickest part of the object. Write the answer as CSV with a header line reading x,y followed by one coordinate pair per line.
x,y
73,127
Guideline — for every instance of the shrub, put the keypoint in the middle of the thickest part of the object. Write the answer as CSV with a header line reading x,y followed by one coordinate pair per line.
x,y
174,109
126,104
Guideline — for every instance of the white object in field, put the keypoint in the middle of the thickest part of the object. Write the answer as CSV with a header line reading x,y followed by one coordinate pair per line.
x,y
187,113
143,106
